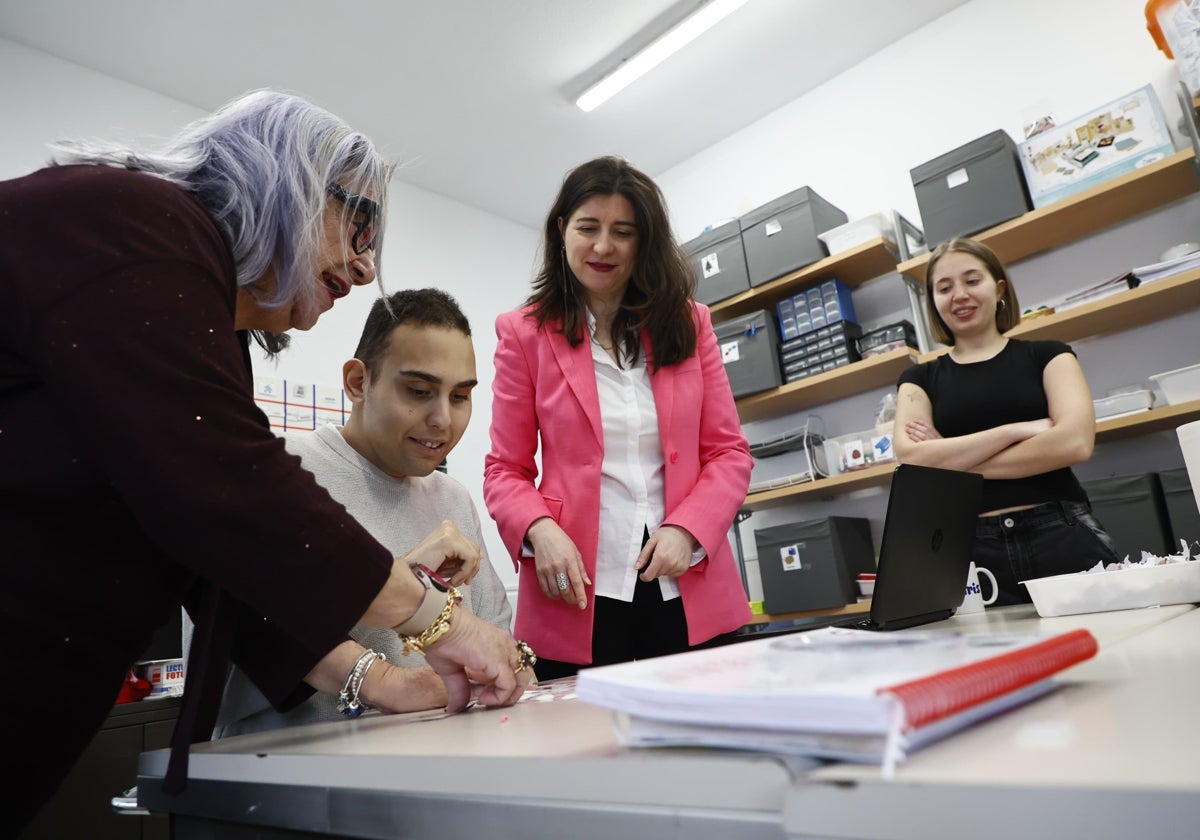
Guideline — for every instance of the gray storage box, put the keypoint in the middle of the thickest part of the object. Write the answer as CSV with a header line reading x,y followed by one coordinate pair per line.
x,y
781,235
971,188
750,350
813,565
718,262
1182,514
1132,509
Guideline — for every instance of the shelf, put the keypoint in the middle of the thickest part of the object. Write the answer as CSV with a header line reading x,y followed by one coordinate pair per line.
x,y
846,381
1124,310
1163,418
1035,232
853,267
1084,213
823,488
857,608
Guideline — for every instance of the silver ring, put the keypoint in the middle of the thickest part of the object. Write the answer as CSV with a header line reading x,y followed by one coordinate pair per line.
x,y
564,582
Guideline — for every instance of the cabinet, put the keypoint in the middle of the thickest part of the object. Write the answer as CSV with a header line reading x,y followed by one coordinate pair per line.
x,y
1035,232
82,805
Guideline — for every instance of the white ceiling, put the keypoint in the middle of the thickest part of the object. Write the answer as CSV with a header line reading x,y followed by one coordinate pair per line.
x,y
476,95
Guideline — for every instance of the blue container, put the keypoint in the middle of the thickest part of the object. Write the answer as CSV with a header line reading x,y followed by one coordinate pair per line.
x,y
836,302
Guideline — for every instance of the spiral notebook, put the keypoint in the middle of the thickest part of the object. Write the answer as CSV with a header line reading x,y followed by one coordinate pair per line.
x,y
835,693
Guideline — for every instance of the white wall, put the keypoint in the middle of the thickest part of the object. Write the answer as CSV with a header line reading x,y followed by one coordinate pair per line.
x,y
986,65
990,64
44,99
484,261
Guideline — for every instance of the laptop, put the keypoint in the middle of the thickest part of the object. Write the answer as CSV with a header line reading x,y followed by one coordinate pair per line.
x,y
926,548
924,554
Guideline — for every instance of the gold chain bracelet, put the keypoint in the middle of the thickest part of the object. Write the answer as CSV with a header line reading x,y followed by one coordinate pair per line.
x,y
439,628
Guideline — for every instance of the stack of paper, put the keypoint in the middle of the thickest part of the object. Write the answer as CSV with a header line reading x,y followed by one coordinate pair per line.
x,y
1169,268
1120,283
838,693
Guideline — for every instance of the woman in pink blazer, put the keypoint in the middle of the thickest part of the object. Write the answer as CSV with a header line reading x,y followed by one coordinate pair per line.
x,y
614,373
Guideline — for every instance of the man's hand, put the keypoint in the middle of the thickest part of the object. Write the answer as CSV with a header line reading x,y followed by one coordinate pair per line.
x,y
448,552
479,652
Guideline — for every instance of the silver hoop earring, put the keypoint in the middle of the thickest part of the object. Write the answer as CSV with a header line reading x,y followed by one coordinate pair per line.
x,y
1002,305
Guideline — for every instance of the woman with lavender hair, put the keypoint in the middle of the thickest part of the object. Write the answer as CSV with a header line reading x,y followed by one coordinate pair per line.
x,y
136,473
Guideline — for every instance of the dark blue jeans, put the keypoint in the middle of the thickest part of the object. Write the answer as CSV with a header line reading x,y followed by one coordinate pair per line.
x,y
1050,539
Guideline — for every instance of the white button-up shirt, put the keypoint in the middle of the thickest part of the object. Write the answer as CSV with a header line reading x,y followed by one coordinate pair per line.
x,y
631,475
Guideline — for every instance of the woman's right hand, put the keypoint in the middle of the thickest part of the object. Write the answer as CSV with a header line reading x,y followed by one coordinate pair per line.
x,y
554,554
918,430
1033,428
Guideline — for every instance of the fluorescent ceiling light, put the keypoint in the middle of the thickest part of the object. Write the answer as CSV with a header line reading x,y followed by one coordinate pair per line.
x,y
663,47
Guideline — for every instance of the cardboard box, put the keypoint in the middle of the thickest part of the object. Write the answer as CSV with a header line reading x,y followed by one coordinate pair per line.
x,y
718,263
972,188
166,676
1118,137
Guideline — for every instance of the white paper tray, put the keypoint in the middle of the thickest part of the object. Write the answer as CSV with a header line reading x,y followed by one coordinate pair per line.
x,y
1120,589
1118,405
1179,386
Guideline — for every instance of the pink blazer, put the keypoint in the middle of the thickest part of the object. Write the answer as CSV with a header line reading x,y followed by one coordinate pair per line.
x,y
544,393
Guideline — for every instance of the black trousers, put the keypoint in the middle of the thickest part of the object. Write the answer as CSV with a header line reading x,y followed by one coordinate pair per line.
x,y
622,631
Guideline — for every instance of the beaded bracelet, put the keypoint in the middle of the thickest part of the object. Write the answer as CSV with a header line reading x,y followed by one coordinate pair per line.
x,y
348,702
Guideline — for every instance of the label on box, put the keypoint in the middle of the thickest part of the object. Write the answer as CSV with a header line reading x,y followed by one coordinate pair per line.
x,y
789,556
854,455
166,677
957,178
710,265
882,446
731,352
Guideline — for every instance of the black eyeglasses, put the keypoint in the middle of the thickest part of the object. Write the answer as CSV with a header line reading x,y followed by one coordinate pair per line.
x,y
363,213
